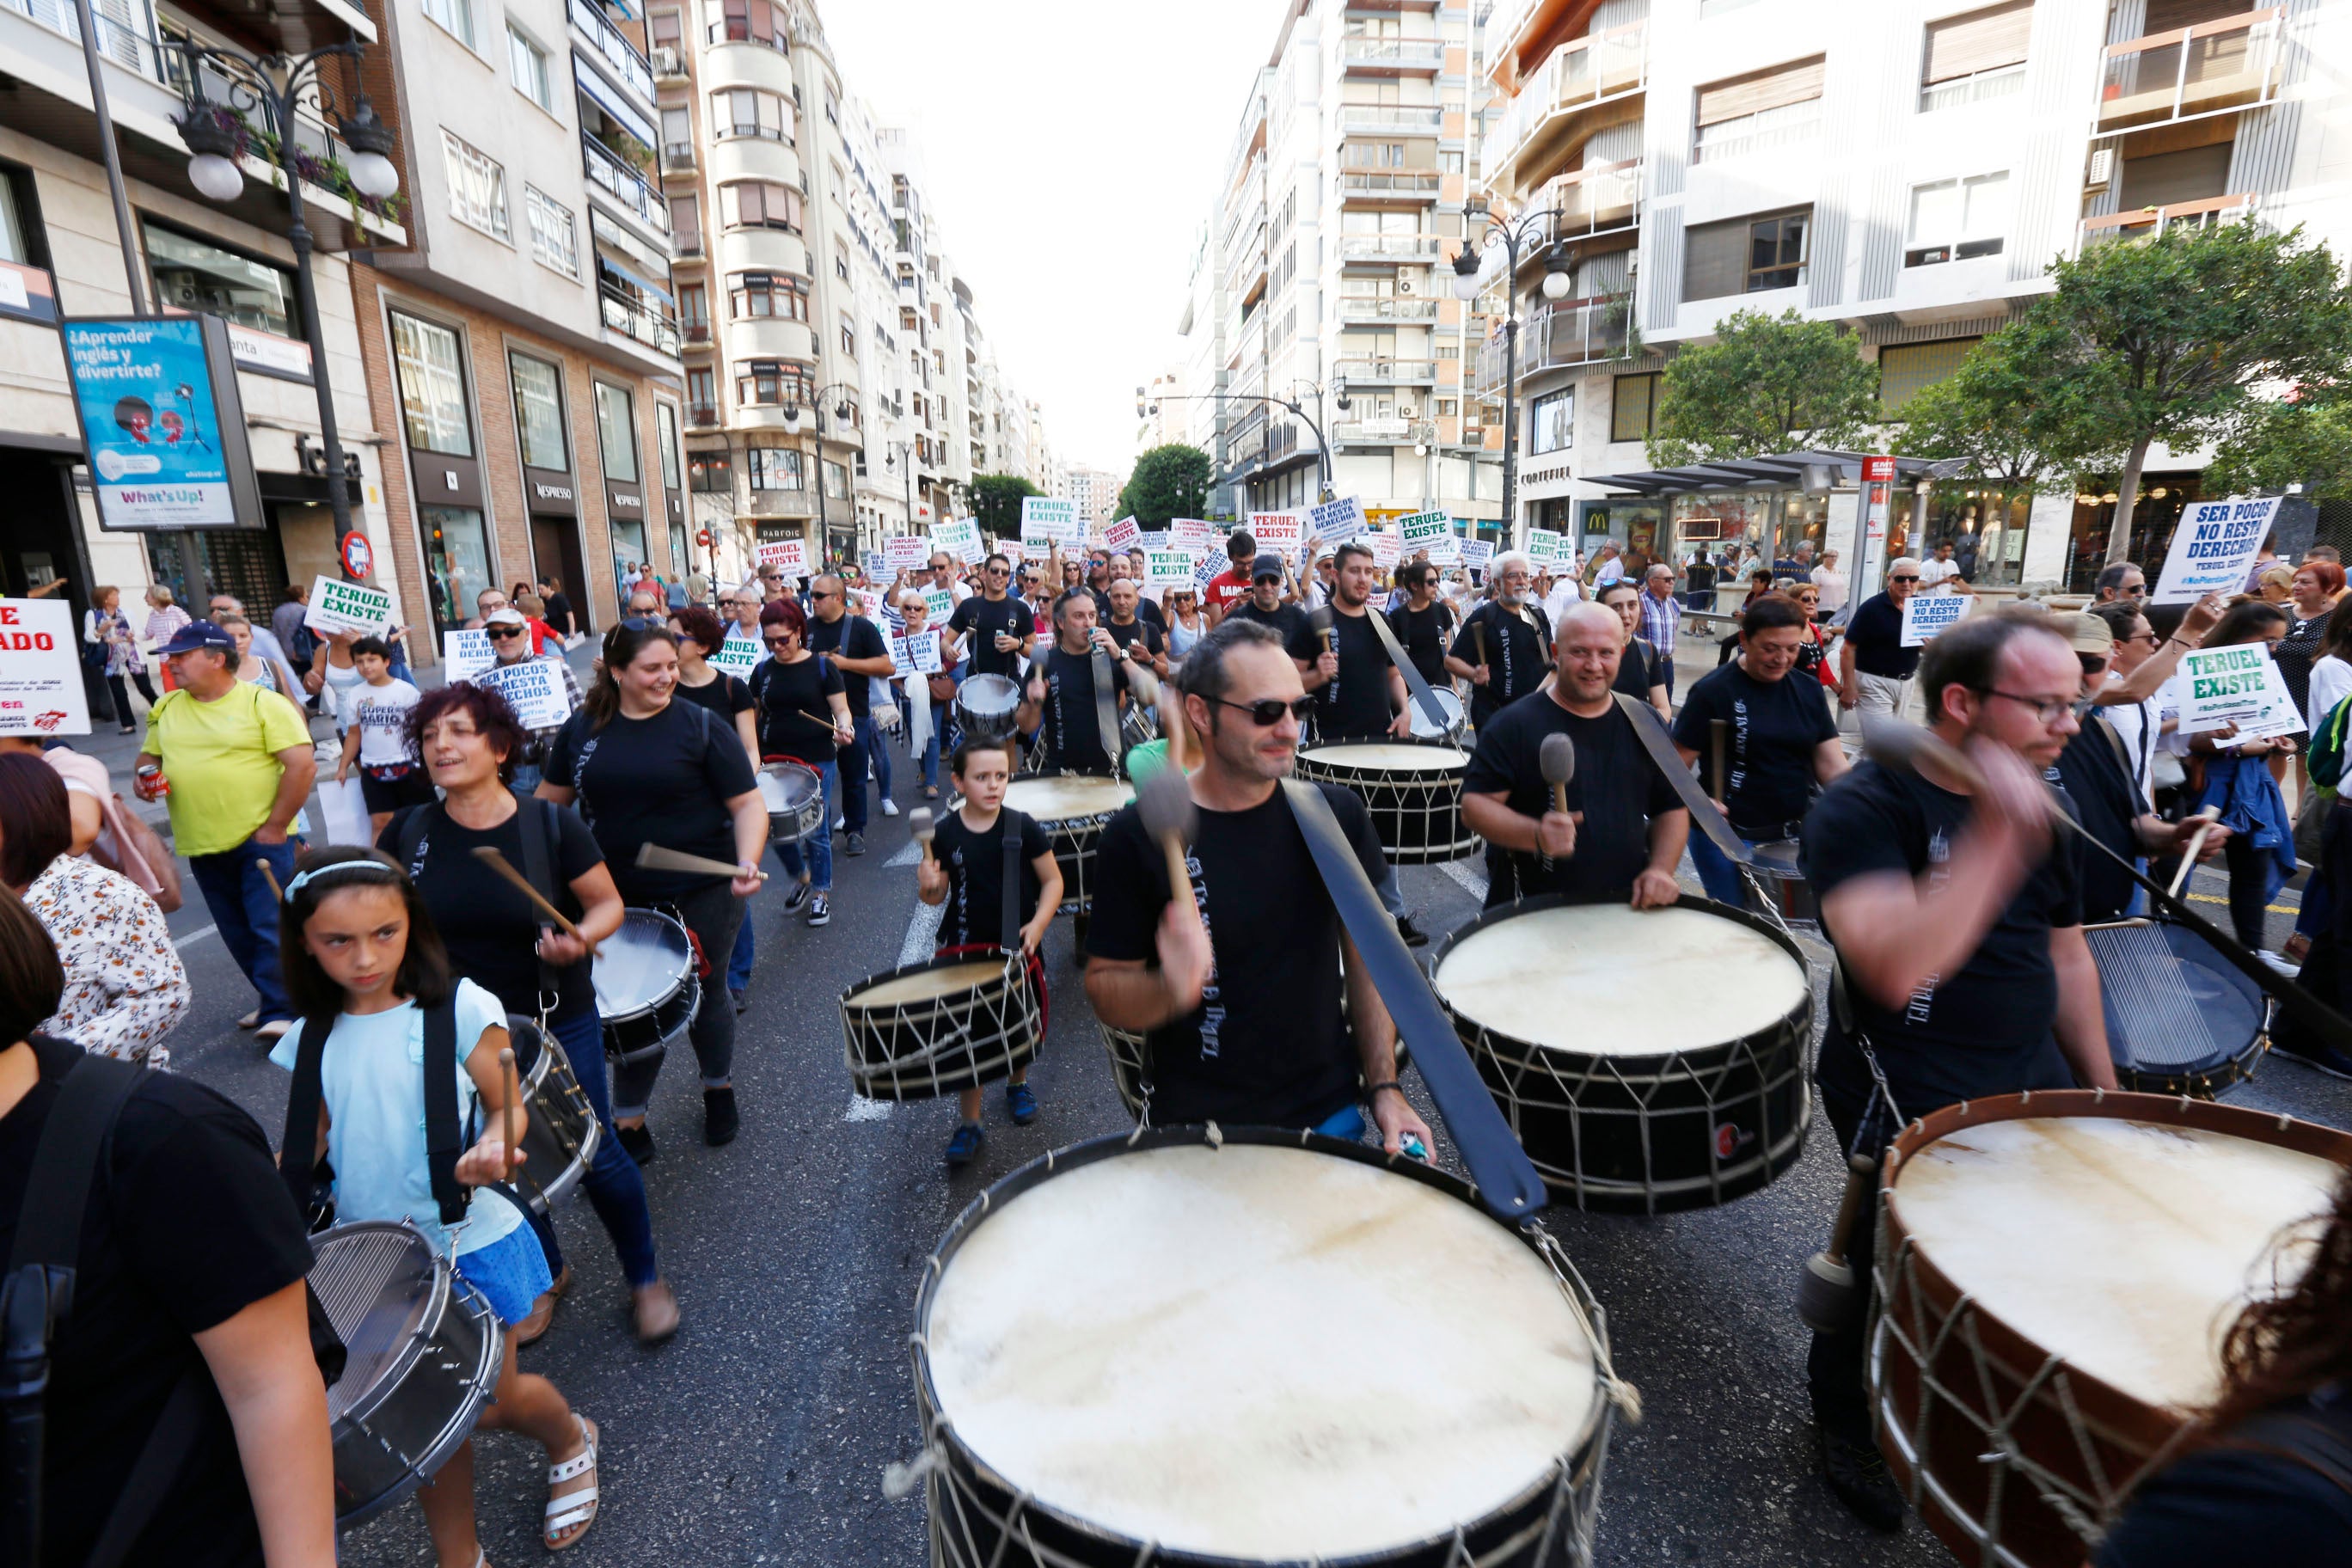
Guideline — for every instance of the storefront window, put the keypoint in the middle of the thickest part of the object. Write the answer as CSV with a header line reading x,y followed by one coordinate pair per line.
x,y
191,274
538,411
457,562
1731,523
616,436
628,550
432,386
1636,525
1984,524
2162,499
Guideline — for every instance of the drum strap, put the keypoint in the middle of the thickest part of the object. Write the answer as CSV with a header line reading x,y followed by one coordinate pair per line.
x,y
1008,932
444,1139
1422,697
1651,730
1106,709
1508,1183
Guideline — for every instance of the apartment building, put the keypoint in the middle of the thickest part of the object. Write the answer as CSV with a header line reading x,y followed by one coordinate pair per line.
x,y
1322,282
61,253
1906,168
1094,489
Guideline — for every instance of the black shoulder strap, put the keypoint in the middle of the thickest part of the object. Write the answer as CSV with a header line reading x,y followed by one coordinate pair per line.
x,y
1008,933
1651,730
444,1139
1106,707
538,826
415,823
2303,1437
297,1152
65,1163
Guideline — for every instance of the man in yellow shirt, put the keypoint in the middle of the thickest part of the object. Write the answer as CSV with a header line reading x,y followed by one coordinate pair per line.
x,y
236,766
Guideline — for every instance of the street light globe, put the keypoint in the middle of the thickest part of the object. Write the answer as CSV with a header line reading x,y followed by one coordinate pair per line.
x,y
215,176
1466,284
372,174
1556,285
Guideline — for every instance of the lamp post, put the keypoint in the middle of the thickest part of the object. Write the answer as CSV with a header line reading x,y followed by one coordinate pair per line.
x,y
276,85
1322,447
841,392
1527,231
902,457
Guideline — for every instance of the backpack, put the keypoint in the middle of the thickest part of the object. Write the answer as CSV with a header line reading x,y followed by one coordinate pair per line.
x,y
2325,758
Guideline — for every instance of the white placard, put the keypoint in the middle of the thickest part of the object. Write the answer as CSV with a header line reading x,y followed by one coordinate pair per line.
x,y
1477,552
1925,615
904,552
738,656
1049,518
468,654
1208,568
868,603
1014,550
1547,549
1169,568
1189,534
1425,530
960,537
40,669
918,654
788,556
532,689
1276,530
340,606
1387,548
1337,521
1125,534
942,604
2213,547
2238,685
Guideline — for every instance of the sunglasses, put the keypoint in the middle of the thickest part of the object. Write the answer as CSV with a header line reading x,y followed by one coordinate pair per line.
x,y
1903,579
503,634
779,641
1267,712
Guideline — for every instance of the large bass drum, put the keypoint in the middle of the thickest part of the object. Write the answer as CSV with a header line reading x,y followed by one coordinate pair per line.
x,y
423,1356
1414,792
948,1023
1695,1097
646,984
1153,1348
987,707
2055,1275
1073,809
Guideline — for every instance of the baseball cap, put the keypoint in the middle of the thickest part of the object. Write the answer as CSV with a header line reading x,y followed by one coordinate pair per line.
x,y
198,634
1267,565
505,616
2087,633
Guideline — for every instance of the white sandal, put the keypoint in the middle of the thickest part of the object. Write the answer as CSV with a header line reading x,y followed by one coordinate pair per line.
x,y
573,1508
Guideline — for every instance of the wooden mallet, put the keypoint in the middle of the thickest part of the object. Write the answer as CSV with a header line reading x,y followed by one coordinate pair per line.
x,y
1718,735
505,867
1165,804
510,1122
920,828
1557,758
270,877
2204,820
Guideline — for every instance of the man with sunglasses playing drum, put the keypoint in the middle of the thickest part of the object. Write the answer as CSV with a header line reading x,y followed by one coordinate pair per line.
x,y
1957,920
1241,1001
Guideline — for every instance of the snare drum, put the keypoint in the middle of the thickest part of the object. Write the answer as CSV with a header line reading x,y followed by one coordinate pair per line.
x,y
1775,885
794,796
2180,1020
424,1352
1153,1348
645,985
2056,1272
1692,1102
950,1023
1073,809
1414,794
985,706
560,1128
1453,727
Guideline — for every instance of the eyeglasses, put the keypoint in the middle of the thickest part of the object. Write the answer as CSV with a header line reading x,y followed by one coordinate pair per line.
x,y
503,634
2148,638
2046,710
1903,579
779,641
1267,712
823,593
2132,591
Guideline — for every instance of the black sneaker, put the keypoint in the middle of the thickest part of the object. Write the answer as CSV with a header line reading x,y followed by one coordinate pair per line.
x,y
1860,1479
820,911
721,1121
1413,936
639,1143
2317,1057
796,898
856,844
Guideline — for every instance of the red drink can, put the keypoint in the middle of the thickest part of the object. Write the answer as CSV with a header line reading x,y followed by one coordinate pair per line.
x,y
151,776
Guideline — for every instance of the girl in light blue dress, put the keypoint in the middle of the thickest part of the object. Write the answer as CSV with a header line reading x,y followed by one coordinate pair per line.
x,y
363,964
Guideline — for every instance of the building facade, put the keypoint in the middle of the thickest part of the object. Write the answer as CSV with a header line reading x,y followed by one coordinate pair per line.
x,y
1095,490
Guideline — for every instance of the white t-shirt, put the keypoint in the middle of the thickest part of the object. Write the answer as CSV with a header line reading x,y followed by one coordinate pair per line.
x,y
2331,682
1832,586
1935,576
1564,594
381,714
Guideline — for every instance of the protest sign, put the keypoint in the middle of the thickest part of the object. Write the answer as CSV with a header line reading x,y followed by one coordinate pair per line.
x,y
1925,615
2237,685
737,656
916,654
1189,534
1125,534
1425,528
467,654
904,552
1477,552
1207,569
872,560
1387,548
960,537
2213,548
1168,568
532,689
941,603
1050,519
869,604
1154,539
1547,549
340,606
788,556
40,670
1337,521
1276,529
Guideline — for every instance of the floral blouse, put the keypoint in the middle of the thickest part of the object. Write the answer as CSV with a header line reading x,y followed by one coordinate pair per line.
x,y
125,988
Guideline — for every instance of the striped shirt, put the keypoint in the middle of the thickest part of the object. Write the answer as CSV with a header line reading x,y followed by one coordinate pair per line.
x,y
1659,618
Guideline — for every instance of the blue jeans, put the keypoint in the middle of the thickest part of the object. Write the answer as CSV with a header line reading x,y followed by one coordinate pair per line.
x,y
816,852
1718,876
527,777
614,1184
1391,895
878,754
245,910
851,764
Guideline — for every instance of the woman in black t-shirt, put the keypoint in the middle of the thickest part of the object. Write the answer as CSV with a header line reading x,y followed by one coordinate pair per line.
x,y
1423,623
499,939
794,692
700,633
1641,668
647,769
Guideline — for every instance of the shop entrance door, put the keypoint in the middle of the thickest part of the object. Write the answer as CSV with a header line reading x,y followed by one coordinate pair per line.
x,y
555,553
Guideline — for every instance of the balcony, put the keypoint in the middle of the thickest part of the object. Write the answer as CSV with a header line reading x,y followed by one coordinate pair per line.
x,y
1386,371
1354,308
1397,247
2213,67
1574,333
1388,184
739,30
677,158
1584,203
2146,223
630,67
618,178
702,416
1582,75
647,322
1391,56
1391,119
695,333
671,64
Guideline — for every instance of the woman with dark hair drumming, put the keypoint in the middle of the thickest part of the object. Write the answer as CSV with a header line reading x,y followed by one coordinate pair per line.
x,y
647,769
471,741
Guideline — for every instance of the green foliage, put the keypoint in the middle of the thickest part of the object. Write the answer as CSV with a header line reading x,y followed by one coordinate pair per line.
x,y
1998,415
2274,445
1767,383
996,502
1167,482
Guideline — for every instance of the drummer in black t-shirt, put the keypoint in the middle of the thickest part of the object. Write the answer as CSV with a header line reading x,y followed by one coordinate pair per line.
x,y
1504,648
1241,1001
1779,739
1139,640
1958,922
998,628
854,645
1423,623
1267,607
797,691
1623,833
1059,707
965,872
1358,695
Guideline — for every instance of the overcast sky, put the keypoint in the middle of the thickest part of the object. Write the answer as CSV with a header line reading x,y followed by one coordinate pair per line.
x,y
1071,148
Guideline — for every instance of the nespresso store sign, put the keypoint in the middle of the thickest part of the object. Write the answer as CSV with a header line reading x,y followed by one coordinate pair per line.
x,y
625,501
551,492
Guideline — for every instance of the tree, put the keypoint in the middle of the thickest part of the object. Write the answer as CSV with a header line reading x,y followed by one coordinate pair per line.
x,y
2273,445
1168,481
1767,383
996,502
1993,416
2165,339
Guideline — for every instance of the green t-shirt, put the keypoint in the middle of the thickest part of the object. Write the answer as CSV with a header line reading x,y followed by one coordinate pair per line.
x,y
221,760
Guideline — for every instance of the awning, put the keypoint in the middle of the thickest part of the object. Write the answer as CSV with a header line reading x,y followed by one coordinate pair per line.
x,y
1780,470
611,238
660,291
608,98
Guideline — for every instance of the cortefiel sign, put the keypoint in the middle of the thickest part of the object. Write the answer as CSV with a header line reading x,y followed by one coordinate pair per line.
x,y
2213,548
162,426
40,669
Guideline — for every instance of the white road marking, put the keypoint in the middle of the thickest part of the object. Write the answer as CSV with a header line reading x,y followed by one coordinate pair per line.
x,y
1472,882
922,933
196,936
864,1109
908,853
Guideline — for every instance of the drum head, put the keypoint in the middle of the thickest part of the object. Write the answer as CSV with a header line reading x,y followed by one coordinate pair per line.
x,y
377,1284
927,985
987,702
1060,797
1387,756
2174,1007
1448,704
788,786
641,964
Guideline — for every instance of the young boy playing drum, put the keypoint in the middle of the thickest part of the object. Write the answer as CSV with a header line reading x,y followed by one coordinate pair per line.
x,y
965,871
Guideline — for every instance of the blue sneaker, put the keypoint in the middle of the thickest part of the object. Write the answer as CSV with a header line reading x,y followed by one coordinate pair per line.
x,y
964,1147
1021,1104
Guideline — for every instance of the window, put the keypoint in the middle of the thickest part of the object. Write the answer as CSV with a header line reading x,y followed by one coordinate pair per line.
x,y
1763,108
759,203
665,438
192,274
22,236
1776,252
457,16
1953,220
663,29
2161,179
1975,57
478,188
554,233
710,473
773,468
685,225
1904,369
753,22
841,262
1743,255
616,432
1551,422
836,481
527,64
677,138
1448,407
767,294
747,111
1373,155
1633,407
432,376
701,398
538,411
772,384
848,336
694,313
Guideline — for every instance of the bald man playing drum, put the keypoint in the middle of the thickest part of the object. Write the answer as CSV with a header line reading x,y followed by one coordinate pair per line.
x,y
1623,830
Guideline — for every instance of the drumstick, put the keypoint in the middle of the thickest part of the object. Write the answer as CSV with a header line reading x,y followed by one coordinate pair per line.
x,y
498,863
1557,758
512,1132
919,825
1165,803
828,723
1826,1292
1719,732
657,858
270,877
2204,820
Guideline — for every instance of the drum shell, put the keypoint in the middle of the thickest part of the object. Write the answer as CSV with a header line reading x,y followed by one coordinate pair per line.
x,y
644,1028
987,707
1550,1525
1453,732
1416,816
560,1137
918,1050
1777,880
1074,840
422,1407
790,824
1938,1456
1651,1134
